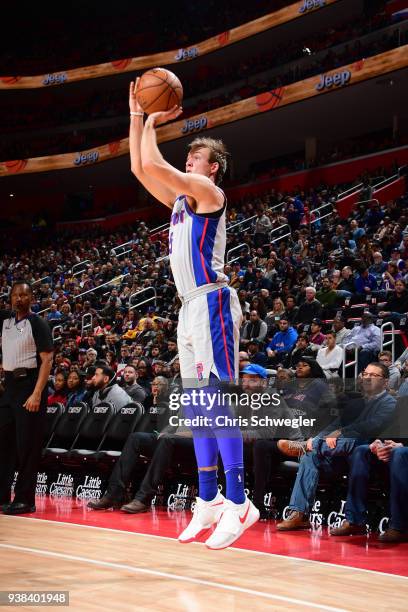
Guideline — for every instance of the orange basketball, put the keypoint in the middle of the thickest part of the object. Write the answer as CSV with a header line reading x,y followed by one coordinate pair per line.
x,y
159,90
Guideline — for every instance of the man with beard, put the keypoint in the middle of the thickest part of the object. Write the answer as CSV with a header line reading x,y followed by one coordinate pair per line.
x,y
106,389
135,391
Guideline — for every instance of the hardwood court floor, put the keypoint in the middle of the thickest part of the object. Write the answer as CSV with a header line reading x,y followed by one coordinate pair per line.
x,y
113,569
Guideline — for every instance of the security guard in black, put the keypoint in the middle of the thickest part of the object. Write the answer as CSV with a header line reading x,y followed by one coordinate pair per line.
x,y
27,351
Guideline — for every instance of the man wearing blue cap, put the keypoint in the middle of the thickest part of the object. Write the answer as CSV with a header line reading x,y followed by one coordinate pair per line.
x,y
253,369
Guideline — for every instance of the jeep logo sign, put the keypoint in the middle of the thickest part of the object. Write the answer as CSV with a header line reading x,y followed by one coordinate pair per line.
x,y
194,125
339,79
308,5
86,158
186,54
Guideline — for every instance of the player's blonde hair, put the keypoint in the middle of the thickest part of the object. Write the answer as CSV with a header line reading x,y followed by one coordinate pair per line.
x,y
218,153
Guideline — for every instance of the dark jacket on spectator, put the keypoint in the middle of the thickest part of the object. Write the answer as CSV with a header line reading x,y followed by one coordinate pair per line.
x,y
308,311
397,304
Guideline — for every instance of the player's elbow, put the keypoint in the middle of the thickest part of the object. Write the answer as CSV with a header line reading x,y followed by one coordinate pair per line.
x,y
151,168
137,170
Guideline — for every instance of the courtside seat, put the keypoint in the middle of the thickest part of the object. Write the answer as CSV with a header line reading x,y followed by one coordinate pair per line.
x,y
91,432
66,431
52,416
120,427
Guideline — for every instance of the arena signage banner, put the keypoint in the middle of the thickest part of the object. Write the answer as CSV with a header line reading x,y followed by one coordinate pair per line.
x,y
166,58
354,73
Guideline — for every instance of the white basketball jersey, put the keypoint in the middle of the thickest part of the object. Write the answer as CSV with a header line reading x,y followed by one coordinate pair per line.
x,y
196,247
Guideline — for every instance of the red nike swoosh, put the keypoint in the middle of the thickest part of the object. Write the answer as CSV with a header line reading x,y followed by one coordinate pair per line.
x,y
217,504
243,519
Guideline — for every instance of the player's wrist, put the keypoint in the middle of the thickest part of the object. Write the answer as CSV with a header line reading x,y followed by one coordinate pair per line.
x,y
136,113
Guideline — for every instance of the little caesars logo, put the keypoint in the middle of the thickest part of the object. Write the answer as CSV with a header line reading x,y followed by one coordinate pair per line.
x,y
41,488
182,497
63,486
270,503
90,488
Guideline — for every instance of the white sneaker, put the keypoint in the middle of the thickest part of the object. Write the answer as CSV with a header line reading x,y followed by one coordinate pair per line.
x,y
235,519
205,514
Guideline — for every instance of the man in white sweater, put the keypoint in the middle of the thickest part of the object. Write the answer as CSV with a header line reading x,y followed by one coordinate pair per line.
x,y
330,357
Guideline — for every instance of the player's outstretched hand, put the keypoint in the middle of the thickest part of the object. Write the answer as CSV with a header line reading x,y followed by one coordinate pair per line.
x,y
134,105
164,116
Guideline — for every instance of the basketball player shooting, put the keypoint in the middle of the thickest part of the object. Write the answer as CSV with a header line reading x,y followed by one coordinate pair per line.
x,y
210,316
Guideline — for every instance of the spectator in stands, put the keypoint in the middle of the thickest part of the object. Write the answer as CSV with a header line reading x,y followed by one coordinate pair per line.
x,y
160,368
346,286
316,338
91,357
54,314
327,296
144,374
249,276
110,358
396,306
132,388
333,447
106,390
263,226
365,283
394,375
255,354
75,387
60,388
242,295
254,329
330,357
356,231
367,338
171,352
309,309
125,355
282,342
378,267
258,304
290,308
175,377
341,331
301,349
273,316
310,396
236,275
390,276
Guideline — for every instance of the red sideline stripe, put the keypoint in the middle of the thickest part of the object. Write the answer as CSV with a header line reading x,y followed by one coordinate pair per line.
x,y
201,251
224,336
